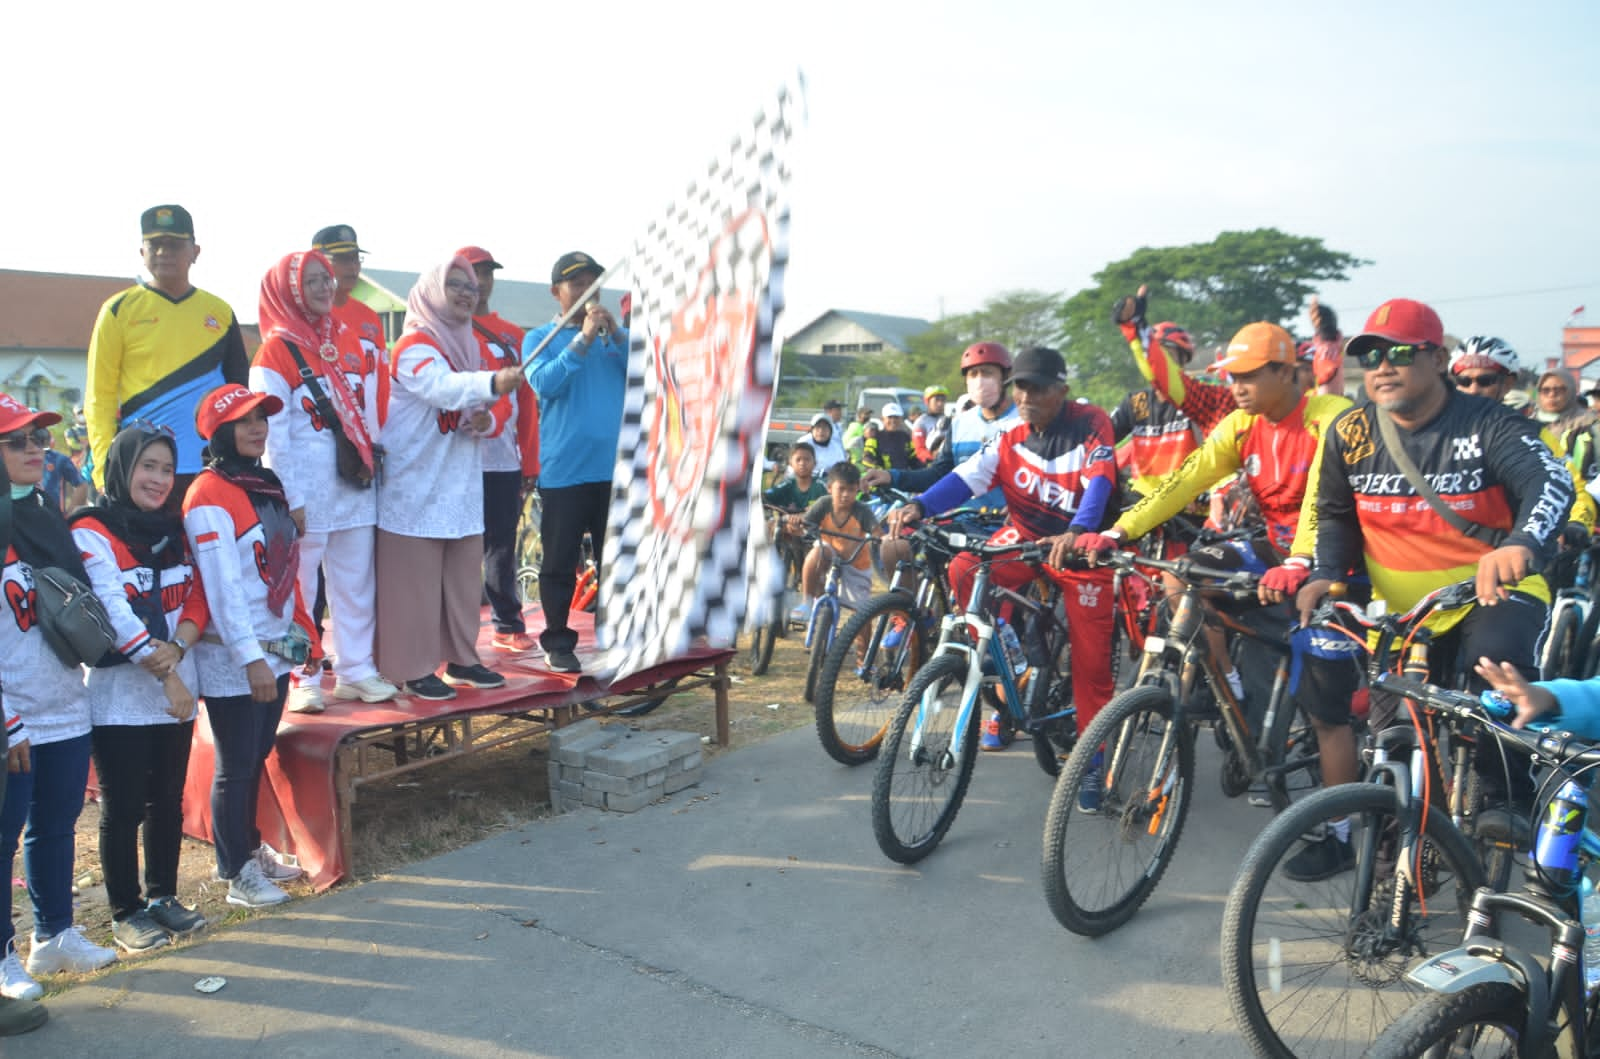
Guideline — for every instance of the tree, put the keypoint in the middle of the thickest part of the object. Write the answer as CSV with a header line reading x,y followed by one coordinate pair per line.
x,y
1016,319
1211,289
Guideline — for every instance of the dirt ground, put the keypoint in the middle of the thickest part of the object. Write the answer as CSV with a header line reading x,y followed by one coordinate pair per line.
x,y
434,810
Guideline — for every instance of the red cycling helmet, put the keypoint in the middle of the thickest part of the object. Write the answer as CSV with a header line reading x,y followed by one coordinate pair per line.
x,y
1174,338
986,353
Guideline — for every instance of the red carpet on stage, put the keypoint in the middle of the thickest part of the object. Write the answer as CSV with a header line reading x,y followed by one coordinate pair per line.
x,y
299,805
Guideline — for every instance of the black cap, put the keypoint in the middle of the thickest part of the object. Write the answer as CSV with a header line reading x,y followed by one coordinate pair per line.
x,y
1039,364
572,264
831,404
166,220
336,239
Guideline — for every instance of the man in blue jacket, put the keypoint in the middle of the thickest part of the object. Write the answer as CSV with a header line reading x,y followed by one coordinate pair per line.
x,y
580,377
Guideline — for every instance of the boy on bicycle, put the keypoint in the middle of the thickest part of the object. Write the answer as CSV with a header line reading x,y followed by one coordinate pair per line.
x,y
836,519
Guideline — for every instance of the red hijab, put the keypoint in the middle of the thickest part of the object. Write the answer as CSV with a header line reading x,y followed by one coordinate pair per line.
x,y
283,310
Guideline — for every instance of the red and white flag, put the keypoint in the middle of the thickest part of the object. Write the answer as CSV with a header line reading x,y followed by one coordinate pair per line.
x,y
685,539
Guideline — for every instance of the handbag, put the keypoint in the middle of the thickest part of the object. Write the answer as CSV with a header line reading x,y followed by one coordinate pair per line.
x,y
348,459
74,621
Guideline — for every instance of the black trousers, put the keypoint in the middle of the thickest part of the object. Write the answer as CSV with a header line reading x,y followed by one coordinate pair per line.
x,y
502,509
141,769
569,512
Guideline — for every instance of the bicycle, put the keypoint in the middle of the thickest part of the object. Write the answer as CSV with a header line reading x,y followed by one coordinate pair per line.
x,y
1565,648
764,637
1138,756
530,558
1490,996
1317,967
932,742
822,622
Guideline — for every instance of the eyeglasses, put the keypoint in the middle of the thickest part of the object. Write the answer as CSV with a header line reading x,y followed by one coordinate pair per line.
x,y
456,286
146,426
1399,356
323,282
347,256
1554,389
20,441
1479,382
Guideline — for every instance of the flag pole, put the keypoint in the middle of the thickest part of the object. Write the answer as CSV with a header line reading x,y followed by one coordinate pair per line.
x,y
566,317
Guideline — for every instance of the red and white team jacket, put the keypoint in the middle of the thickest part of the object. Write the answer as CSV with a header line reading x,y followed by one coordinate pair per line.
x,y
45,700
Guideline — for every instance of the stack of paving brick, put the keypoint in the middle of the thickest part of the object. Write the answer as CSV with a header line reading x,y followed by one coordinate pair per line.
x,y
614,767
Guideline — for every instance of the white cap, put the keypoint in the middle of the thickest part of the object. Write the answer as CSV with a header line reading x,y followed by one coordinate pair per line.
x,y
892,409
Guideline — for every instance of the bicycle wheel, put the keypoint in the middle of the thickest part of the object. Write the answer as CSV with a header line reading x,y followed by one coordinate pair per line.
x,y
1054,740
1100,867
530,549
855,701
762,638
1309,967
1294,768
1486,1019
1561,656
824,622
918,789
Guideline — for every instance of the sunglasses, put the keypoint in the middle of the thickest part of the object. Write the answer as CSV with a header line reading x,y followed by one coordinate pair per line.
x,y
1478,382
1399,356
146,426
20,441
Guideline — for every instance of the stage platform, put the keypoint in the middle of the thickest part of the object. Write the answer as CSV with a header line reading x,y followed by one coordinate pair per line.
x,y
321,760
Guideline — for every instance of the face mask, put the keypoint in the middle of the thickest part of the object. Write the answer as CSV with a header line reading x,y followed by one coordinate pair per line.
x,y
983,389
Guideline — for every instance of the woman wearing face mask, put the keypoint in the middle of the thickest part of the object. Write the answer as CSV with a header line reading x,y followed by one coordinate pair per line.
x,y
141,696
246,547
337,517
430,503
47,716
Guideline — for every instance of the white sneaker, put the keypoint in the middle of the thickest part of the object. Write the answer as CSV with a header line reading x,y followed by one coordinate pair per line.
x,y
277,867
306,698
68,951
252,890
372,689
15,982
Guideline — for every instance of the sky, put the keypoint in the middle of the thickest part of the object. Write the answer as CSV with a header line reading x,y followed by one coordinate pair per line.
x,y
952,152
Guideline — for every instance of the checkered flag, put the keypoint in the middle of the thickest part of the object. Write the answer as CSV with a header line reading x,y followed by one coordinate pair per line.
x,y
686,543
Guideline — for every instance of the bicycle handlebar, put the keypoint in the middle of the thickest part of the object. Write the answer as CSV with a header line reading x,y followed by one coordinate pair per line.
x,y
1556,748
1239,583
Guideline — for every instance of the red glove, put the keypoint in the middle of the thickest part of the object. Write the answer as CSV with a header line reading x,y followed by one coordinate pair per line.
x,y
1286,578
1095,543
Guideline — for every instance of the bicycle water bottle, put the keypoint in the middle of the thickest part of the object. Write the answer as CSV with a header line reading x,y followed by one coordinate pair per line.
x,y
1555,848
1013,648
1591,935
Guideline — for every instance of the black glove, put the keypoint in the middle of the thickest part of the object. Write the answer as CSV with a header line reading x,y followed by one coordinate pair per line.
x,y
1574,537
1328,330
1128,309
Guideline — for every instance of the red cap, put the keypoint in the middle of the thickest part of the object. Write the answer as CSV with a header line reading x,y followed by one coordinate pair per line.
x,y
229,402
477,255
14,415
1398,320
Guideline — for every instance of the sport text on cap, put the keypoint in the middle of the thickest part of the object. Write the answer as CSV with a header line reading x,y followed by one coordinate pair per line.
x,y
230,402
569,265
166,220
336,239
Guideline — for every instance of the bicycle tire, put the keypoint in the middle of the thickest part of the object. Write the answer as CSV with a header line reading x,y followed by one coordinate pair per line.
x,y
762,639
530,548
1293,742
825,621
1053,742
854,705
915,802
1127,814
1487,1018
1560,657
1333,978
1589,641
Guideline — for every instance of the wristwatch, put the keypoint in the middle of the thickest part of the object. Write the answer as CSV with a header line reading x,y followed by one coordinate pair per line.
x,y
181,644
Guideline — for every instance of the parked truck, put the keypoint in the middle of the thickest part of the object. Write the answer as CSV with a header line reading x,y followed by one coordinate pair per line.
x,y
785,426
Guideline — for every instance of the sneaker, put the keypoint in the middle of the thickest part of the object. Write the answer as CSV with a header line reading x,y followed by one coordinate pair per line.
x,y
139,933
251,889
512,642
20,1016
473,676
997,733
67,951
15,982
1320,860
1089,789
896,634
278,867
306,698
429,687
370,689
563,661
175,918
801,613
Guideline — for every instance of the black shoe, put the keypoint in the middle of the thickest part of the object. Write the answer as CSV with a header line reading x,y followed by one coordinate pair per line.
x,y
429,687
20,1016
563,661
171,916
139,933
1322,859
473,676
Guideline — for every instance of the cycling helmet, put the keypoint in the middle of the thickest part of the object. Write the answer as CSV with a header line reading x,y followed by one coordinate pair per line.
x,y
986,353
1174,338
1483,351
935,391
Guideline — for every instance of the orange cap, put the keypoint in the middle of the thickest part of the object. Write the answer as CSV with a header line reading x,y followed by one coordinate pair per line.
x,y
1255,346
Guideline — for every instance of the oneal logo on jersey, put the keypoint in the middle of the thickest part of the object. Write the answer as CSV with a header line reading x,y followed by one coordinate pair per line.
x,y
1050,494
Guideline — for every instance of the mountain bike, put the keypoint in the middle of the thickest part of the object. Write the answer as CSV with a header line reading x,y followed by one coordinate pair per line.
x,y
822,622
1564,649
1490,996
765,636
1318,967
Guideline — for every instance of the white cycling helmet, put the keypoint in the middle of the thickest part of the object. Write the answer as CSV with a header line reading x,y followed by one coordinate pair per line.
x,y
1483,351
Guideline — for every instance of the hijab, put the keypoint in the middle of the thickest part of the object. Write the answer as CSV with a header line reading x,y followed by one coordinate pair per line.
x,y
280,559
283,309
223,459
427,310
39,533
1574,414
154,538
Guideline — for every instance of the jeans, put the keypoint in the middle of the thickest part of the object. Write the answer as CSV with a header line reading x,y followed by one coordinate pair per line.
x,y
48,799
502,510
569,512
243,731
142,769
